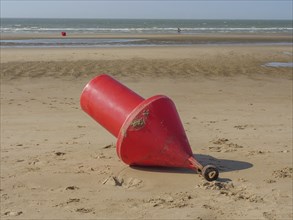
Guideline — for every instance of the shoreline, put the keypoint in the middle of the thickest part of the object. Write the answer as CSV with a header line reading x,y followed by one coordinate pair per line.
x,y
250,37
144,40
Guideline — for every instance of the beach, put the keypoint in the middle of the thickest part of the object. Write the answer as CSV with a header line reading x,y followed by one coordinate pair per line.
x,y
58,163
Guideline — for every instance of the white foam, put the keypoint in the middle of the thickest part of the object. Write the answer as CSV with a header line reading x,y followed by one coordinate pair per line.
x,y
279,64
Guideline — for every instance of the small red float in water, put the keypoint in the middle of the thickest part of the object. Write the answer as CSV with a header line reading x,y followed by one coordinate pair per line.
x,y
63,34
149,131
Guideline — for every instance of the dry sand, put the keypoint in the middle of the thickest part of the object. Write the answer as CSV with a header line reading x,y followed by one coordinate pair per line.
x,y
57,163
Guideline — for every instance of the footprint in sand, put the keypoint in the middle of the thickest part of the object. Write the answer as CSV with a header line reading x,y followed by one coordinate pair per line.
x,y
257,152
59,153
84,210
240,127
4,196
72,200
270,181
170,200
215,185
228,189
101,156
223,145
34,162
286,172
13,213
71,188
270,215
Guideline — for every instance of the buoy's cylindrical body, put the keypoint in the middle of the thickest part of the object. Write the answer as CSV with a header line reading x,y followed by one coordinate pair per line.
x,y
109,102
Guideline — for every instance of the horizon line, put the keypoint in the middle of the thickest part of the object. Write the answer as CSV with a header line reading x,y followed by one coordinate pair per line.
x,y
152,18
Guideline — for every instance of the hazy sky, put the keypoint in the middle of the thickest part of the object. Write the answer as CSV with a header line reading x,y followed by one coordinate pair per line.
x,y
164,9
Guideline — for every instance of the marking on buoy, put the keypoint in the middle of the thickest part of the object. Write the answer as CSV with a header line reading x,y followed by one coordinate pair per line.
x,y
138,123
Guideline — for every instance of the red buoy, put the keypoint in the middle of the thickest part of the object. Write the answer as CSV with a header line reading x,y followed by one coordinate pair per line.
x,y
63,33
149,131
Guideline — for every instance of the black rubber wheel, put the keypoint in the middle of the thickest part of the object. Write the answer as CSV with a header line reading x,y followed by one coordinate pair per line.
x,y
210,173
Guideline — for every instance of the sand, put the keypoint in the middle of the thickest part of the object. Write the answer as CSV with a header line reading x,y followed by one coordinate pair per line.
x,y
58,163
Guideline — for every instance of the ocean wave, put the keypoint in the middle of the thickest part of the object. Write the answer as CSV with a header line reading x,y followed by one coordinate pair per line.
x,y
145,30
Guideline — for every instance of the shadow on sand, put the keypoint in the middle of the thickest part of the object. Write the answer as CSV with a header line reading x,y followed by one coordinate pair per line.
x,y
222,164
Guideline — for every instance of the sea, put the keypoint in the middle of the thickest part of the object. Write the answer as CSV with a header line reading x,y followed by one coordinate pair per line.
x,y
128,26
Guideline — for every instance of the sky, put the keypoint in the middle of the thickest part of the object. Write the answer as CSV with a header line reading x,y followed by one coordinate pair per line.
x,y
148,9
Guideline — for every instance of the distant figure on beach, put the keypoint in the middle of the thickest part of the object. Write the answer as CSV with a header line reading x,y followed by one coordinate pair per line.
x,y
178,30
